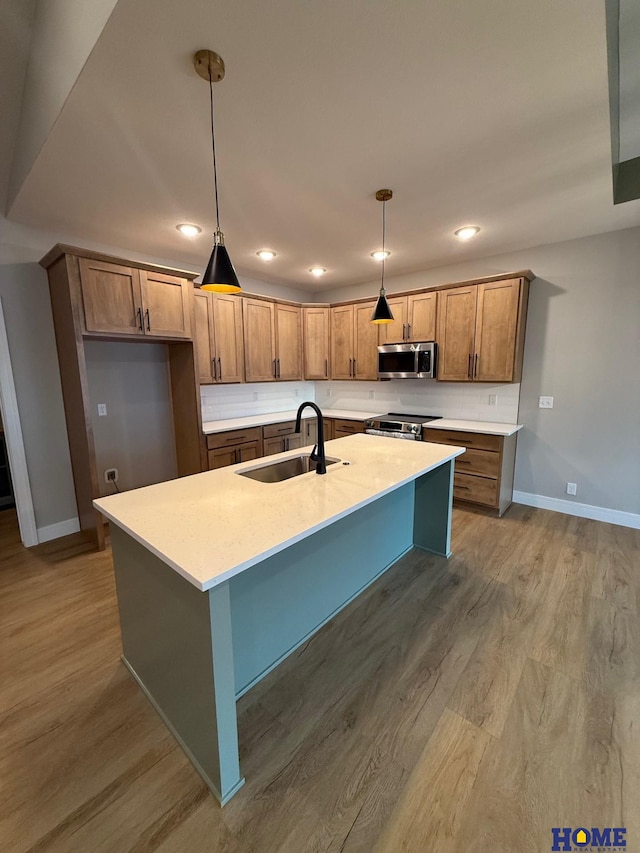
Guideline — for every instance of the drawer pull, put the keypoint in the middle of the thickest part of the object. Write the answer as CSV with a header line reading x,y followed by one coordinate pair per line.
x,y
466,488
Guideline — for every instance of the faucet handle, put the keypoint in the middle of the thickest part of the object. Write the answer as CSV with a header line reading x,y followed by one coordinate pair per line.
x,y
314,456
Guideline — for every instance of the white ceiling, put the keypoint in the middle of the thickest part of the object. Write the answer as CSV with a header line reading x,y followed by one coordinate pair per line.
x,y
490,112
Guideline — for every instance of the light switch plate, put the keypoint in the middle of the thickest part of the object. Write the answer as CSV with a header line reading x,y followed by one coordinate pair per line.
x,y
545,402
493,399
102,409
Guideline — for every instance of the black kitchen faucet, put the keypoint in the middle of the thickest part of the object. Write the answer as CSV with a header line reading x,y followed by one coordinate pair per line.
x,y
319,457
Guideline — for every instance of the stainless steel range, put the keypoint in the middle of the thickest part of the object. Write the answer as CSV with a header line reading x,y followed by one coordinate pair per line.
x,y
394,425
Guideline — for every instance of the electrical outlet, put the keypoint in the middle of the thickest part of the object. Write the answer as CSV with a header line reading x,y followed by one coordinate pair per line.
x,y
371,395
493,399
111,475
545,402
328,392
572,488
255,396
102,409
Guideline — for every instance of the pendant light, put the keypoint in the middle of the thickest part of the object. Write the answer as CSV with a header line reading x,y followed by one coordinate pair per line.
x,y
382,312
219,276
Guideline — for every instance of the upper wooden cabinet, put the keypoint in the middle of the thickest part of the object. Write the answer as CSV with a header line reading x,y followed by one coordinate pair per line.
x,y
218,337
414,318
121,300
272,340
481,331
354,342
316,337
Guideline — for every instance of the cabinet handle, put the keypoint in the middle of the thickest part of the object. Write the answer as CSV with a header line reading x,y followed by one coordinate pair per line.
x,y
408,331
355,369
278,368
466,488
404,332
326,367
475,367
235,457
219,369
469,367
275,375
215,369
148,316
350,363
140,323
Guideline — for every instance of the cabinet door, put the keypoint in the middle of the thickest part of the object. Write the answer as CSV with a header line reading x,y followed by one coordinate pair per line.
x,y
229,339
111,296
342,342
456,330
395,332
316,342
295,441
259,340
496,326
310,432
288,320
274,445
328,428
421,316
366,342
247,452
166,303
220,458
203,335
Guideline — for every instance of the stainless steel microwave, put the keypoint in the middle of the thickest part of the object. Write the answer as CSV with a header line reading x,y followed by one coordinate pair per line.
x,y
407,361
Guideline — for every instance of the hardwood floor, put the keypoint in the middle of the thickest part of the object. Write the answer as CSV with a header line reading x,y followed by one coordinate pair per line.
x,y
460,705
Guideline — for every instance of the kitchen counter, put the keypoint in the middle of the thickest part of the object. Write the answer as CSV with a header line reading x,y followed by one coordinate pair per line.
x,y
488,427
204,539
209,427
220,577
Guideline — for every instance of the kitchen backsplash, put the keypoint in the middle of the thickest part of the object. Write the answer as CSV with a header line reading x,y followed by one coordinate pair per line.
x,y
416,396
448,399
252,398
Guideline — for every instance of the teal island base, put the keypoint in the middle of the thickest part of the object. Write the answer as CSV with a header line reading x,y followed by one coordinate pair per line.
x,y
194,653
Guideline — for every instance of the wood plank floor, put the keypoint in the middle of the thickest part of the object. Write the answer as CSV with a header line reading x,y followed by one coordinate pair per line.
x,y
460,705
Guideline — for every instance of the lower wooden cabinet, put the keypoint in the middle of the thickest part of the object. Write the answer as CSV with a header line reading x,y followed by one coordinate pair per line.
x,y
342,427
484,474
280,437
229,448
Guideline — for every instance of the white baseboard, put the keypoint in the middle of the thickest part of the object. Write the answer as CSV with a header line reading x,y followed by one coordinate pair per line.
x,y
598,513
55,531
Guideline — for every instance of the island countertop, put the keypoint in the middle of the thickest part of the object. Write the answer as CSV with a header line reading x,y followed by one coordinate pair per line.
x,y
211,526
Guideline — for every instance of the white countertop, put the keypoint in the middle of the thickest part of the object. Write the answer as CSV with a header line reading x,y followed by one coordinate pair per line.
x,y
278,417
488,427
212,526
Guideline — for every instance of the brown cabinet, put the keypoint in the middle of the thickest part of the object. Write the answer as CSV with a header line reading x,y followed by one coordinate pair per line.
x,y
218,337
354,342
484,473
343,426
272,341
126,301
281,437
315,326
414,318
327,424
233,446
481,331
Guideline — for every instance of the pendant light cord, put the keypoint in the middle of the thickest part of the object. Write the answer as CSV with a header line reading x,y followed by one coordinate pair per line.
x,y
213,147
384,228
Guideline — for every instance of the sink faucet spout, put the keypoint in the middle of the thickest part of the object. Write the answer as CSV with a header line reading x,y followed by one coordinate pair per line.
x,y
319,459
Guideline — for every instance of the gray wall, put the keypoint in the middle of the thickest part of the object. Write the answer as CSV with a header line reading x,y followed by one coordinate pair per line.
x,y
136,436
24,291
582,348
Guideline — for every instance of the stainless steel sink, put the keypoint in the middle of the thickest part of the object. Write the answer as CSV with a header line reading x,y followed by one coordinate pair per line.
x,y
284,469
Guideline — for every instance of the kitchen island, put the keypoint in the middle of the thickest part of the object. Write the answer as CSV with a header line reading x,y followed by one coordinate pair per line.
x,y
220,577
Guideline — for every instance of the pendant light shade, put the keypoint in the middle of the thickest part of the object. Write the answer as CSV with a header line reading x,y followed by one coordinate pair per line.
x,y
219,276
382,311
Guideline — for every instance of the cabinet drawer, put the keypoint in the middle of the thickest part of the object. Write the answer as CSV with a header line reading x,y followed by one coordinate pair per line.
x,y
479,440
347,427
486,463
234,436
480,490
273,430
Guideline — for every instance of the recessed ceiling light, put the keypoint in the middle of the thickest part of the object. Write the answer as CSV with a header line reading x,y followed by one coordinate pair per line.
x,y
380,255
317,271
266,254
467,232
189,230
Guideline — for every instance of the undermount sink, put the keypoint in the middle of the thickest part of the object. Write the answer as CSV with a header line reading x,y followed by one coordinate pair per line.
x,y
284,469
